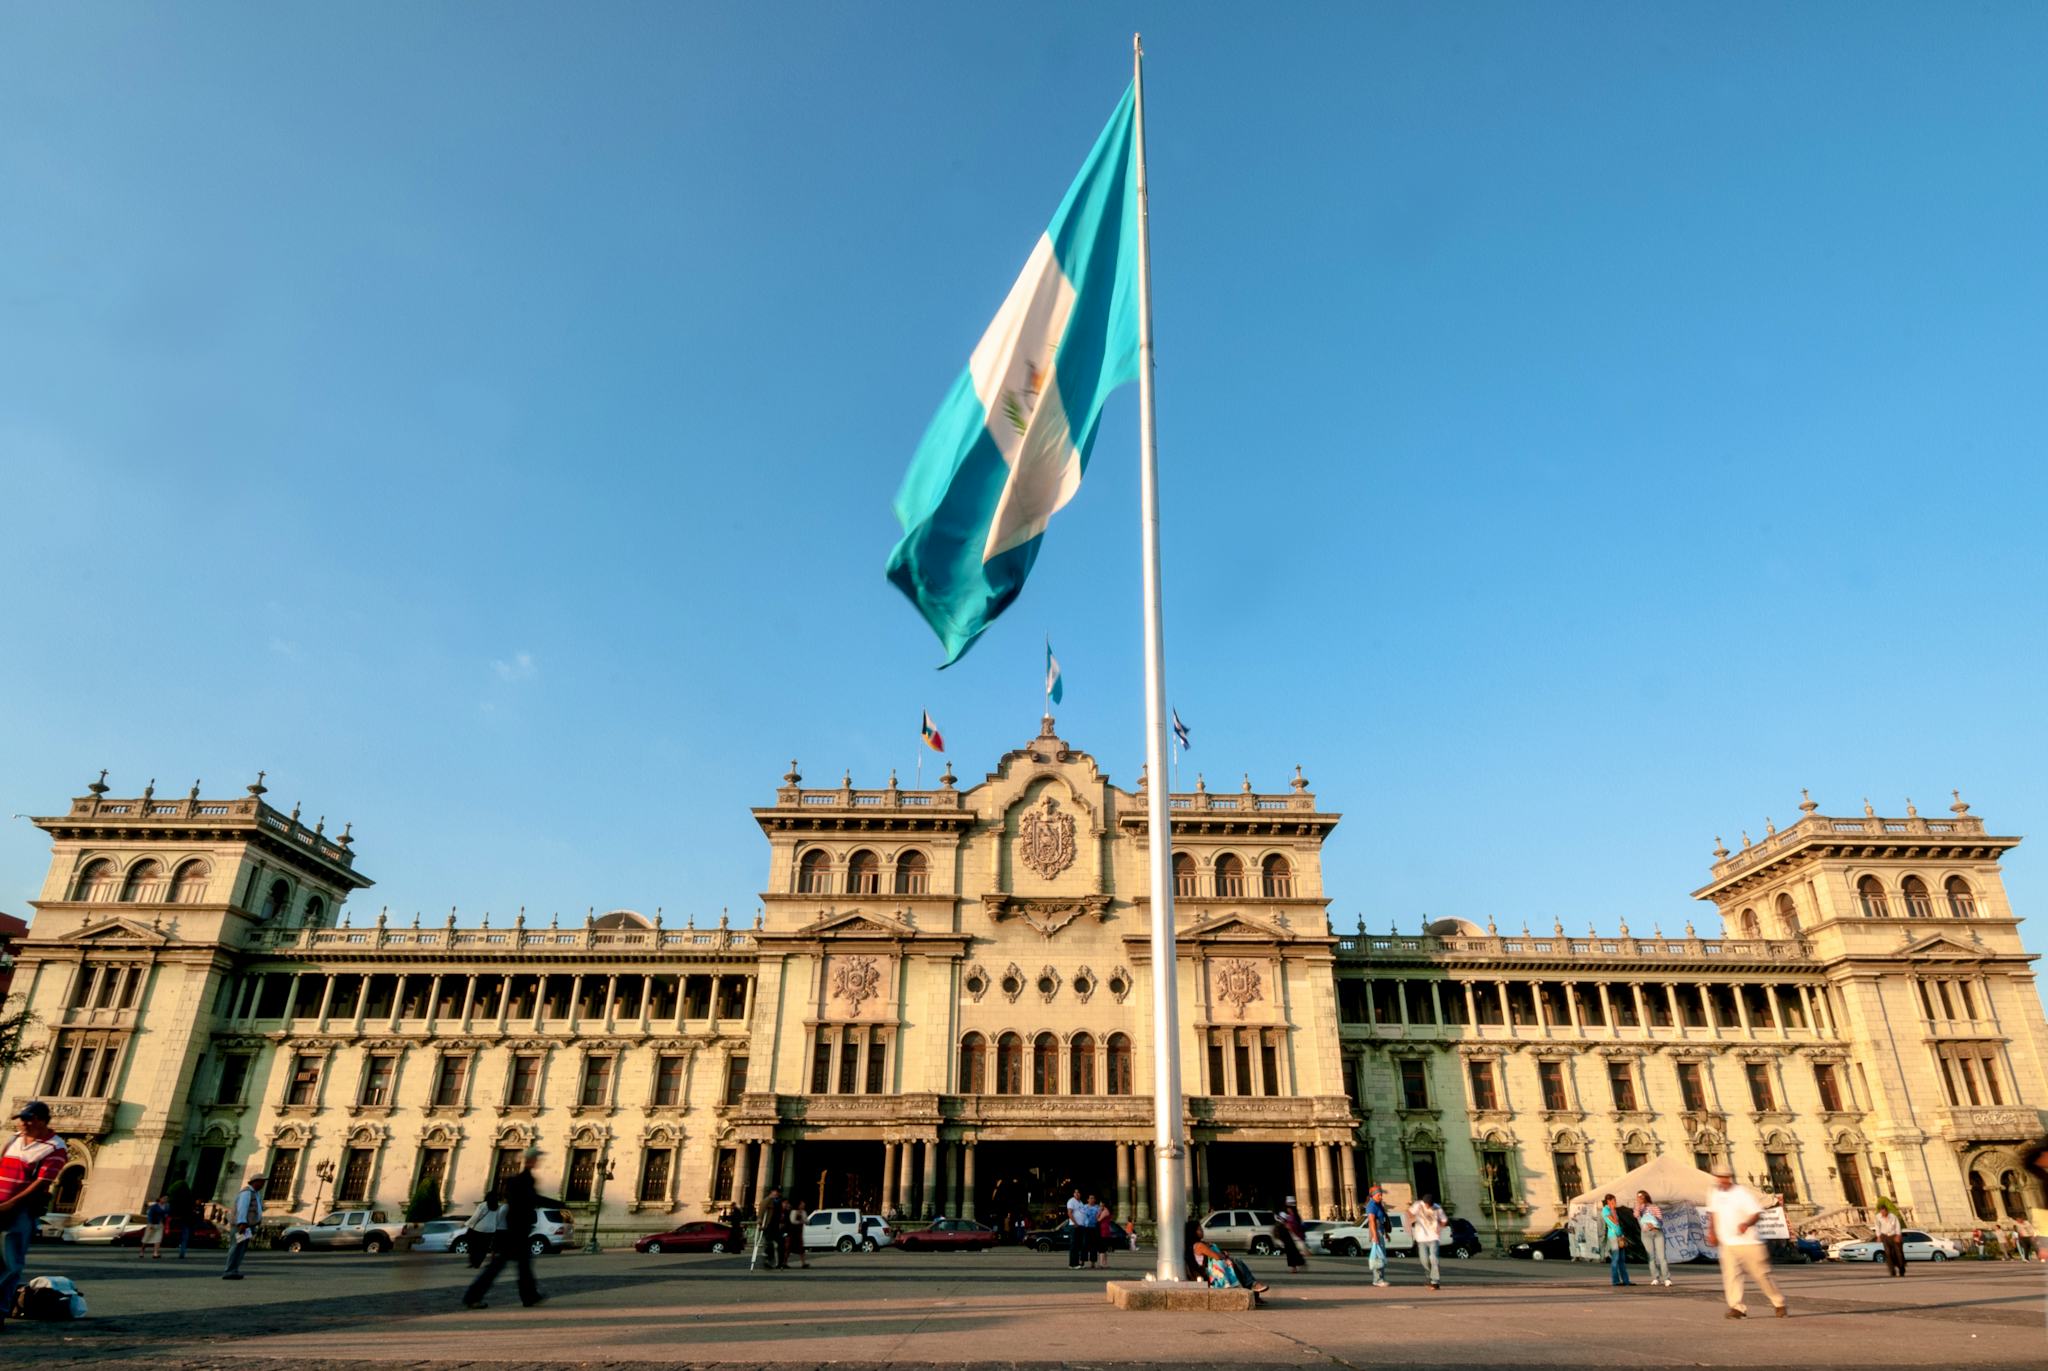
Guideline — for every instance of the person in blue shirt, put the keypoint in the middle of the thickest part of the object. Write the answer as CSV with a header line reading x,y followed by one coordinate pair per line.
x,y
1377,1229
1617,1243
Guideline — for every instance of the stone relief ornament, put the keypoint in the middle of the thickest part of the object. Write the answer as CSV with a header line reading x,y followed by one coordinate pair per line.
x,y
856,981
1046,839
1237,983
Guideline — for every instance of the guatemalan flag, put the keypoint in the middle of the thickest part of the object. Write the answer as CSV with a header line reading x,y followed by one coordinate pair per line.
x,y
1008,445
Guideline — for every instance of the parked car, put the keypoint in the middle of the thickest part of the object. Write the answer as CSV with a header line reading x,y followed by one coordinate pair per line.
x,y
1917,1247
846,1229
371,1230
1060,1238
1556,1245
439,1235
699,1236
1813,1249
553,1230
50,1228
948,1235
1240,1230
108,1228
1350,1239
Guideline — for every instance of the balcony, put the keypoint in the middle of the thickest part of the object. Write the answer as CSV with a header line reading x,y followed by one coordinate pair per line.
x,y
72,1115
1991,1123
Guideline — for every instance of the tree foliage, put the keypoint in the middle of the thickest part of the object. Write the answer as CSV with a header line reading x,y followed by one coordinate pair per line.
x,y
16,1019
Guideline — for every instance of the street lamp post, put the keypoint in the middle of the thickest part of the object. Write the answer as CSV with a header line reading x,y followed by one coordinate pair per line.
x,y
604,1173
325,1171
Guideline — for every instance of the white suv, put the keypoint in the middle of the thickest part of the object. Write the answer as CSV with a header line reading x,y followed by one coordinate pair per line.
x,y
846,1229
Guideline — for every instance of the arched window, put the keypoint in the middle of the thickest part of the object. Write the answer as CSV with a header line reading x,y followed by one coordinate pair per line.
x,y
1980,1198
1082,1072
1788,917
863,874
1870,895
1229,878
1276,878
1919,905
973,1049
1962,902
1045,1065
1183,876
145,883
1009,1065
2014,1192
98,881
273,904
188,886
814,873
1119,1065
1748,926
316,911
913,874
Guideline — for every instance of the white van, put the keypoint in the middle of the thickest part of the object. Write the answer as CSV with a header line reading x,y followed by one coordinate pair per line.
x,y
846,1229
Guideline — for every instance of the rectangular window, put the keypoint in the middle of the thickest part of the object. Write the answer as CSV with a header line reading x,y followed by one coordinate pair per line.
x,y
668,1080
1386,1002
1414,1084
878,1065
1948,1079
234,1078
1962,989
523,1089
354,1186
1631,1160
1499,1176
735,1080
1778,1167
60,1063
654,1175
434,1170
1621,1080
1269,1067
1421,1005
582,1175
305,1082
722,1174
1691,1008
1848,1169
1759,1077
1215,1065
284,1166
849,1065
1623,998
1991,1080
379,1071
1551,1075
1569,1180
1242,1059
450,1081
597,1082
133,982
1967,1066
1657,1007
1588,997
1483,1093
821,1064
1453,999
1691,1089
1829,1085
509,1161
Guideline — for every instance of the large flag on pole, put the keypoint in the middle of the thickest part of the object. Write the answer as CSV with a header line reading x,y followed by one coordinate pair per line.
x,y
1055,688
1008,445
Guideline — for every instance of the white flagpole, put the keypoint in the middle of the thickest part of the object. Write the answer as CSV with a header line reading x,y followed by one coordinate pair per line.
x,y
1170,1193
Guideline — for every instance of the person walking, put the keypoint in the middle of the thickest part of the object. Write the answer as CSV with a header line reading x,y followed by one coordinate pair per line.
x,y
774,1229
482,1228
248,1214
185,1210
1617,1243
1091,1230
1376,1232
29,1166
153,1220
1426,1223
1650,1218
1890,1236
1077,1234
1292,1236
1732,1214
798,1217
522,1203
1105,1234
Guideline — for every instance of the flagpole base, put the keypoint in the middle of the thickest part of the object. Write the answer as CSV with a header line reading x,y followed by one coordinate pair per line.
x,y
1185,1297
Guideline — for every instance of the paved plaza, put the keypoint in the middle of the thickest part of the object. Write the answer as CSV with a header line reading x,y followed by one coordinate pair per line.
x,y
1009,1308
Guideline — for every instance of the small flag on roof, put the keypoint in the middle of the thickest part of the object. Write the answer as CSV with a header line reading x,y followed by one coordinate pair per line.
x,y
930,731
1180,731
1055,689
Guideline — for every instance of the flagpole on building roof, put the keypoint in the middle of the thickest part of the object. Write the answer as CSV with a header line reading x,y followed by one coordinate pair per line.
x,y
1170,1192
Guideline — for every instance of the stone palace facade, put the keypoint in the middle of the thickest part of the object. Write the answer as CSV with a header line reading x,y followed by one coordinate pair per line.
x,y
944,1007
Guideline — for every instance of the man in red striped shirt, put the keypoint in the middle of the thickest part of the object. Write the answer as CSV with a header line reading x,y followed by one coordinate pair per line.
x,y
29,1167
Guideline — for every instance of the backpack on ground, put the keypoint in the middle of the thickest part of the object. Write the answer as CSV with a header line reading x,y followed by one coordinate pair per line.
x,y
49,1298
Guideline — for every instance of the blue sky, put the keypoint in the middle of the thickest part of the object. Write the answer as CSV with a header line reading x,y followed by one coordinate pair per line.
x,y
1581,425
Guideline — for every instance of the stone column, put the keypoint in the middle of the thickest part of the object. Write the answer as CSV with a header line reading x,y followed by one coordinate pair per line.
x,y
1607,1011
1123,1180
1635,990
1301,1180
955,1194
764,1179
905,1177
1141,1179
1507,1012
1742,1013
468,1000
788,1179
1671,1002
888,1176
930,1206
1471,1009
1326,1190
967,1180
748,1175
1347,1157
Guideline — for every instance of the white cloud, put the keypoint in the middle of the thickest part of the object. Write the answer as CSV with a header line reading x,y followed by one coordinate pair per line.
x,y
520,668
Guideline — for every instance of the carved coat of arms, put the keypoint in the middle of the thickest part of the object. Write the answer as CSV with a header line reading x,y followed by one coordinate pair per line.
x,y
1046,839
856,981
1237,983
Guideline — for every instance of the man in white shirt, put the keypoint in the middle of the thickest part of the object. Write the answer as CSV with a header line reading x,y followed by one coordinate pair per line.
x,y
1890,1236
1427,1221
1732,1214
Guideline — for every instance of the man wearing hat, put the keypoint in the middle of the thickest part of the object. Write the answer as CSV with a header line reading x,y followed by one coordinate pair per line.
x,y
514,1239
248,1218
1377,1230
29,1166
1732,1214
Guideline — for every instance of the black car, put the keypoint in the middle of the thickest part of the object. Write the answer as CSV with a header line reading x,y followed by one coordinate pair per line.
x,y
1461,1239
1050,1239
1556,1246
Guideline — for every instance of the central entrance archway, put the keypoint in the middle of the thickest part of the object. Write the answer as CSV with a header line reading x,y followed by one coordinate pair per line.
x,y
1030,1181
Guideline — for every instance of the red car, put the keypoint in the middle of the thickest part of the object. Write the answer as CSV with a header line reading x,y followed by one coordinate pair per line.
x,y
949,1235
204,1234
693,1237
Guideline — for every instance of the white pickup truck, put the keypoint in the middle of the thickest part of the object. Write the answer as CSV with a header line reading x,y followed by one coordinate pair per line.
x,y
370,1229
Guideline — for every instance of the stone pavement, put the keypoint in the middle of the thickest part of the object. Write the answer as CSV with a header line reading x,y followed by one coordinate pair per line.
x,y
1009,1308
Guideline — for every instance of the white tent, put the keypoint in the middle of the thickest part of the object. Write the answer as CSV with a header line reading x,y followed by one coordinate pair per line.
x,y
1666,1178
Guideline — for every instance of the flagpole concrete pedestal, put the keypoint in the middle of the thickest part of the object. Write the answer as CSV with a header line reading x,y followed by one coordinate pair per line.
x,y
1179,1296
